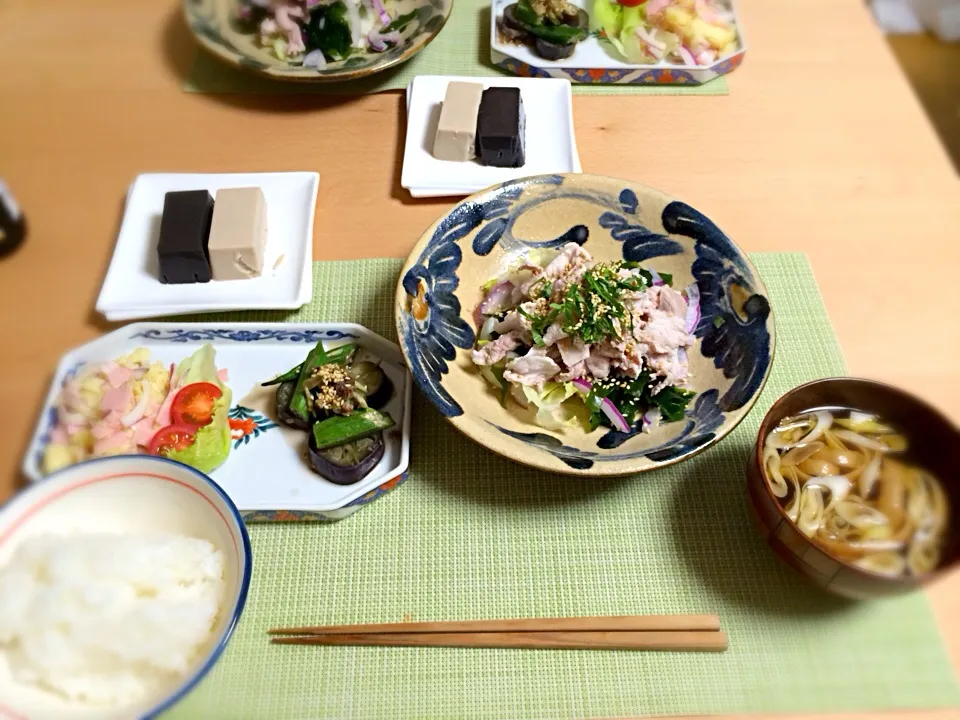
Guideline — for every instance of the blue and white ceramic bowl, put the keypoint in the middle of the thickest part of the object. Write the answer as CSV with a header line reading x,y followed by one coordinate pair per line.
x,y
123,495
440,286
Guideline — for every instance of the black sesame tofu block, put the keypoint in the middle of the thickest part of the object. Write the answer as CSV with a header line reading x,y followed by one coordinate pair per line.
x,y
184,233
500,128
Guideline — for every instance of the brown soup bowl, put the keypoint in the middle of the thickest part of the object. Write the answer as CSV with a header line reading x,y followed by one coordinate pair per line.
x,y
934,443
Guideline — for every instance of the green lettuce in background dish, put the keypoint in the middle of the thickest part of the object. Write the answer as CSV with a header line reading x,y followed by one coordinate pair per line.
x,y
212,445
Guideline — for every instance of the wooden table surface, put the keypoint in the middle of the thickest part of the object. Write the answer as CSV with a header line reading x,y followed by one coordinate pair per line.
x,y
820,147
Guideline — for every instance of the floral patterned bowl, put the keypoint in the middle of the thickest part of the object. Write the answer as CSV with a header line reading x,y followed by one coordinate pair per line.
x,y
614,219
214,23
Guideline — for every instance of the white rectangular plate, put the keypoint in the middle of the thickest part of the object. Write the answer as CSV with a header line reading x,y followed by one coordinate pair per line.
x,y
550,143
265,473
132,288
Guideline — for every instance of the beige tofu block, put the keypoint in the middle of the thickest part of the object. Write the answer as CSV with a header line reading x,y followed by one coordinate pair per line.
x,y
238,233
457,128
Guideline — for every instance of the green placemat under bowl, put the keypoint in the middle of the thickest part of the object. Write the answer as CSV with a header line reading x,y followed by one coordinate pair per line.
x,y
472,535
461,48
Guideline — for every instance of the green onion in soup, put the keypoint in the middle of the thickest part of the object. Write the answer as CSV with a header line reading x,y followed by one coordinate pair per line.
x,y
840,477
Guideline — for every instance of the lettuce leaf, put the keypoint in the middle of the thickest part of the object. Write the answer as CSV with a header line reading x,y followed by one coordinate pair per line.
x,y
212,445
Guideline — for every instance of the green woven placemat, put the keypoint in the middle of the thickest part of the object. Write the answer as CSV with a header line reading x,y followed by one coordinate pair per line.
x,y
471,535
462,48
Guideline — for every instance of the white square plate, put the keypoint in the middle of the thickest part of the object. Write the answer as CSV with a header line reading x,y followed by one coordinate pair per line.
x,y
132,288
550,143
265,473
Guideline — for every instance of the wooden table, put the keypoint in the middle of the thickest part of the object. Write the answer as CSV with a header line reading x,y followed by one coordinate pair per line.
x,y
819,147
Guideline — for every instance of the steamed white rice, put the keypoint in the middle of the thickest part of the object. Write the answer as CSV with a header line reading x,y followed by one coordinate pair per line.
x,y
107,618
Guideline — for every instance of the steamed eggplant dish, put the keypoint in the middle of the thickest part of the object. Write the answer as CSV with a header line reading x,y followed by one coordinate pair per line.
x,y
552,28
337,397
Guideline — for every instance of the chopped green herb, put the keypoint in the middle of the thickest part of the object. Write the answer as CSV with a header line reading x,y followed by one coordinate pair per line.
x,y
718,321
672,402
329,30
593,309
400,22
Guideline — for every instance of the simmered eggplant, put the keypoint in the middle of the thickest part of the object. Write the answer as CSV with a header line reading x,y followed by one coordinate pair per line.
x,y
348,463
511,28
554,32
373,382
337,396
285,392
553,51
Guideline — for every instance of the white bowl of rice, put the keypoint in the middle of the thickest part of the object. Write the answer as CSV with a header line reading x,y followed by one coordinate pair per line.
x,y
121,581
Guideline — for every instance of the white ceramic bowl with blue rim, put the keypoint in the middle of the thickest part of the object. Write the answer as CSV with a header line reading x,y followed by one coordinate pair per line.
x,y
128,494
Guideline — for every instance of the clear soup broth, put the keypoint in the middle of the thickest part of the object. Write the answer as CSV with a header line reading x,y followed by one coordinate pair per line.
x,y
843,477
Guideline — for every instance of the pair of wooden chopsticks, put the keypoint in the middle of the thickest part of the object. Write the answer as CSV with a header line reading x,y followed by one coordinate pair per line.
x,y
606,632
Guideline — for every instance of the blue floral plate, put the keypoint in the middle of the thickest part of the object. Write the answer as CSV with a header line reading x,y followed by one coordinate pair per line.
x,y
440,286
265,475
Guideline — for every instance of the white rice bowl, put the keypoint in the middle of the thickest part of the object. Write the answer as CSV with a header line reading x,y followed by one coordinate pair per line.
x,y
123,618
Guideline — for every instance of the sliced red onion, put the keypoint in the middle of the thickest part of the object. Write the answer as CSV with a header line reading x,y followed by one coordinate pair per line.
x,y
686,56
649,39
381,11
140,408
692,294
682,355
315,59
582,385
651,419
495,300
655,277
378,41
613,415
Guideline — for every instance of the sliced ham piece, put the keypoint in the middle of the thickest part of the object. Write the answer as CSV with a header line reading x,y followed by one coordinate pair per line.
x,y
495,351
163,414
533,369
117,399
115,444
118,375
143,432
655,7
107,426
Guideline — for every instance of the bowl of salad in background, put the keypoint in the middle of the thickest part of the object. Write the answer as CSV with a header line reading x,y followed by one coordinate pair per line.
x,y
584,325
678,42
315,40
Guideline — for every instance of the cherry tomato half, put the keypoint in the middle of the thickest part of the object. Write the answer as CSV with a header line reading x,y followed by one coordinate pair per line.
x,y
172,437
193,404
631,3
